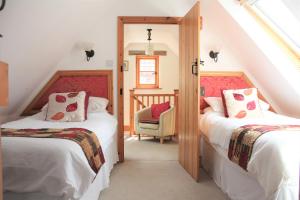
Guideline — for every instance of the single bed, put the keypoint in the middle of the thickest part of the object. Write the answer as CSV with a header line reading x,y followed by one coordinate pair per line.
x,y
57,169
263,180
273,170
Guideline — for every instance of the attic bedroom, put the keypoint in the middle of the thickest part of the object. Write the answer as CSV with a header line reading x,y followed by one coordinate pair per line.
x,y
141,99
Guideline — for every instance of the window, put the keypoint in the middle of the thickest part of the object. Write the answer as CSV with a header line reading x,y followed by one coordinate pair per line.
x,y
147,72
283,17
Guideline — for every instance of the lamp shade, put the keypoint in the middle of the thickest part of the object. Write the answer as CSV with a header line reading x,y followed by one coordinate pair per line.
x,y
3,84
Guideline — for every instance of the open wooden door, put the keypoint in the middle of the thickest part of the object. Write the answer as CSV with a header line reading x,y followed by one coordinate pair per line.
x,y
189,136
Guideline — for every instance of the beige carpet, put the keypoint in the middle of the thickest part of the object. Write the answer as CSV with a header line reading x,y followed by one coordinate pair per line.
x,y
151,172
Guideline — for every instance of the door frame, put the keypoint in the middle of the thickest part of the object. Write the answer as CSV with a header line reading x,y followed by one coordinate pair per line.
x,y
122,20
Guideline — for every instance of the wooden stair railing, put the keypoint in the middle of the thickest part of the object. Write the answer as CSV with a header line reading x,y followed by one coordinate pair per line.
x,y
140,101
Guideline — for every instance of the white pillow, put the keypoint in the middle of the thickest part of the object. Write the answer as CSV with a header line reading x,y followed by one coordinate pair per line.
x,y
264,105
97,104
45,108
217,105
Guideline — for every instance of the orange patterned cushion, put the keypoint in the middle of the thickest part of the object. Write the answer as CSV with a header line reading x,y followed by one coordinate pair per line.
x,y
242,103
67,107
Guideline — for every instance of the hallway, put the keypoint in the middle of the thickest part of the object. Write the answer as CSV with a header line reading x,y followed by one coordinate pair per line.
x,y
151,171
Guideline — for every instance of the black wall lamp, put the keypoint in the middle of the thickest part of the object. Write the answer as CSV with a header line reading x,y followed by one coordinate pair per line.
x,y
214,55
2,5
89,54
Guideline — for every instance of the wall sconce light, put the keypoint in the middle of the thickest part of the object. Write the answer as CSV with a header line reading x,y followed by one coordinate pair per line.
x,y
89,54
87,47
2,5
214,55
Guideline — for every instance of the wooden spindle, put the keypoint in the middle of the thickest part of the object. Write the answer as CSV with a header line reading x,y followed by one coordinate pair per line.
x,y
147,101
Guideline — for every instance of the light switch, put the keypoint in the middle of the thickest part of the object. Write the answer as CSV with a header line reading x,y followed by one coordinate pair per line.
x,y
202,91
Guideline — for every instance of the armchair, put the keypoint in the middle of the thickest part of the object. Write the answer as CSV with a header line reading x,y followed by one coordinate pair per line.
x,y
162,127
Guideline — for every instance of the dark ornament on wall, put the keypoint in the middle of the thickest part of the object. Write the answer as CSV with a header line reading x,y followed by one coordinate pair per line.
x,y
89,54
2,5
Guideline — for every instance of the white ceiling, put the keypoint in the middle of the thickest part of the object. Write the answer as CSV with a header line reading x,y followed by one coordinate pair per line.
x,y
166,34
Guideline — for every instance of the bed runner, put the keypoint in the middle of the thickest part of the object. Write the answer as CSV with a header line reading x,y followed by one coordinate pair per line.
x,y
86,139
243,139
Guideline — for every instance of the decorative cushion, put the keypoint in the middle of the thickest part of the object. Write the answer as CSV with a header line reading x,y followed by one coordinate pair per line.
x,y
216,104
157,109
149,121
97,104
224,104
242,103
67,107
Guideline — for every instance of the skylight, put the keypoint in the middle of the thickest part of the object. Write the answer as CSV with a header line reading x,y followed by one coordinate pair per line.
x,y
283,17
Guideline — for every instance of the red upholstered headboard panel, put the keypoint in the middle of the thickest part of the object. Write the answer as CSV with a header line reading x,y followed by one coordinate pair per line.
x,y
211,84
97,82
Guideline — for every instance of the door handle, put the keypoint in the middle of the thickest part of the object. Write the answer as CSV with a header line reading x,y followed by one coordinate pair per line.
x,y
195,67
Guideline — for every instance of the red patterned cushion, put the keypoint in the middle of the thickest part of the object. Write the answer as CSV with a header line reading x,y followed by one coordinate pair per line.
x,y
67,107
157,109
242,103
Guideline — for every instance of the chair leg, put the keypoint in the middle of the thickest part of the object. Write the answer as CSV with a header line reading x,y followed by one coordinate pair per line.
x,y
162,140
139,137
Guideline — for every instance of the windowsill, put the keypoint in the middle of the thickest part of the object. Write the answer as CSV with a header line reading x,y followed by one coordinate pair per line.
x,y
141,88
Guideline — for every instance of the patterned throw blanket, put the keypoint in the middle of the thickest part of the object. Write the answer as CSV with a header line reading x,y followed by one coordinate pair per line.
x,y
243,139
86,139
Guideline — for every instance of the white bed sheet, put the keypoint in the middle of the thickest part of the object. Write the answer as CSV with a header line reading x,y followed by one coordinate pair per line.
x,y
56,167
276,155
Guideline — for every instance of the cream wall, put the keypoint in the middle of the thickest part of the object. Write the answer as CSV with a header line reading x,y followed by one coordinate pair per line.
x,y
168,74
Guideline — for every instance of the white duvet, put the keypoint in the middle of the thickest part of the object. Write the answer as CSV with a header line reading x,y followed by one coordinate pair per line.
x,y
57,167
275,159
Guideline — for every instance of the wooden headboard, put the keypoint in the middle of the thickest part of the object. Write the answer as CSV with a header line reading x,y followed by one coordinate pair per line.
x,y
98,83
211,83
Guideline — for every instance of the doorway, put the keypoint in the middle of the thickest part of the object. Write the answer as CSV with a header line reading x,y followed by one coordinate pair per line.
x,y
151,76
189,135
122,21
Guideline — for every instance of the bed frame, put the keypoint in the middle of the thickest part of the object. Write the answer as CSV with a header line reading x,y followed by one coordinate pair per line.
x,y
98,83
